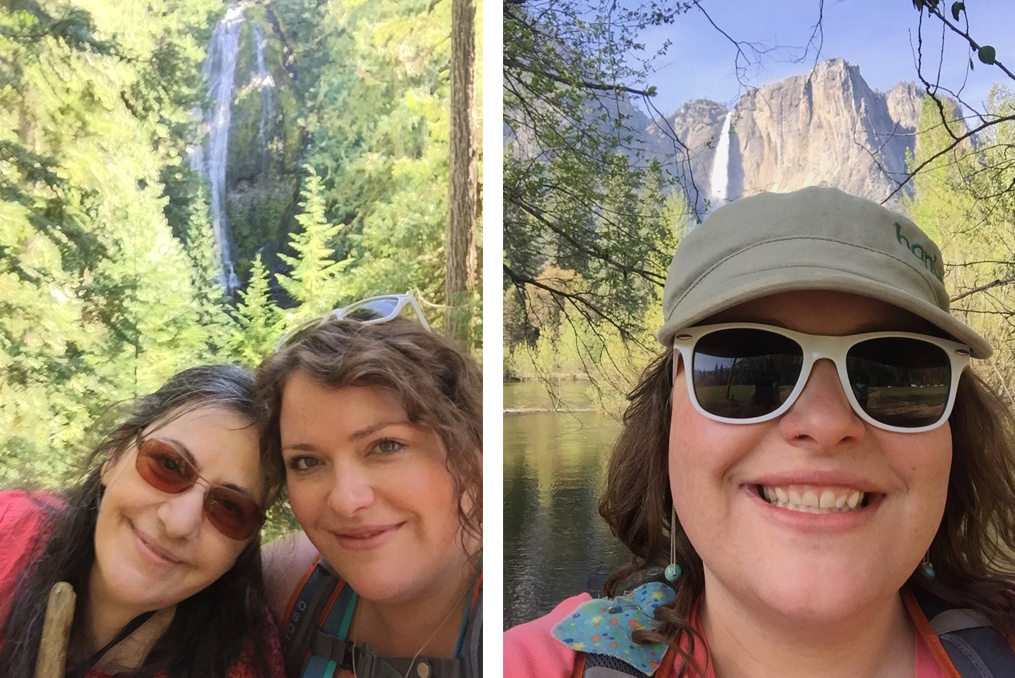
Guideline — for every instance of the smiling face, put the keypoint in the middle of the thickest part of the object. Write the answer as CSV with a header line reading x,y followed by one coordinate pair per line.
x,y
153,549
371,489
780,557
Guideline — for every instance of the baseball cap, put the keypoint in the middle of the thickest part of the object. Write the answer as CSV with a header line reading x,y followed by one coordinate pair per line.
x,y
817,238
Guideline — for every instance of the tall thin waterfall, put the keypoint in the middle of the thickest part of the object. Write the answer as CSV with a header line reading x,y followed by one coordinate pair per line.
x,y
264,83
720,179
219,69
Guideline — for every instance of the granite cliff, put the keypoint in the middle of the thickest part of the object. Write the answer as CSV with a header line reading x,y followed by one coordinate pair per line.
x,y
826,127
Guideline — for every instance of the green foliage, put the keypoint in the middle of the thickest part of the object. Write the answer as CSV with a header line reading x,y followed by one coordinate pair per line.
x,y
963,200
578,194
986,54
108,267
97,297
257,321
313,272
374,96
551,332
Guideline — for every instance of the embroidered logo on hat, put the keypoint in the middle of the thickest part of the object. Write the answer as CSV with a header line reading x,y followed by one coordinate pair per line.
x,y
928,259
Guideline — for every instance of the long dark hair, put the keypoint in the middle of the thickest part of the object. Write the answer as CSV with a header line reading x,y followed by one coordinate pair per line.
x,y
212,628
973,552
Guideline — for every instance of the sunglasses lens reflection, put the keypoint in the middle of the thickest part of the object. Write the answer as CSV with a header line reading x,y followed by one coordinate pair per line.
x,y
900,381
745,373
373,309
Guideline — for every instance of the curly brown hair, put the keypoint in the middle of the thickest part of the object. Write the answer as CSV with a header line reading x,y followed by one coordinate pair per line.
x,y
439,386
973,551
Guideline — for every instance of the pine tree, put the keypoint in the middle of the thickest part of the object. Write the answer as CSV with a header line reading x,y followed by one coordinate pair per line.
x,y
256,321
209,297
312,278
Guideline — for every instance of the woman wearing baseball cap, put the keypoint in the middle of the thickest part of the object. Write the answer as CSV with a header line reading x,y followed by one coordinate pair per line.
x,y
809,480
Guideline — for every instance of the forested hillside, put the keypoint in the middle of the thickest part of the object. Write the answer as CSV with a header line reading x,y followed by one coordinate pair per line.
x,y
117,247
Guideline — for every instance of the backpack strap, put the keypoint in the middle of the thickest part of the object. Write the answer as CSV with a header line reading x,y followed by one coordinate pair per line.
x,y
966,638
308,608
604,666
319,617
470,643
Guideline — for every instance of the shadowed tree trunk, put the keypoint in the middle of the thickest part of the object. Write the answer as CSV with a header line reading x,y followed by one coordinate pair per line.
x,y
459,277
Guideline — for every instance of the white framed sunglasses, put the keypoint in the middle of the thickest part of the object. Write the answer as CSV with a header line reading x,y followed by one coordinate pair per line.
x,y
745,373
372,311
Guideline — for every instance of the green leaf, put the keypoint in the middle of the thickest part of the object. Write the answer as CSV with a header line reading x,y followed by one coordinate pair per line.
x,y
957,8
971,67
987,54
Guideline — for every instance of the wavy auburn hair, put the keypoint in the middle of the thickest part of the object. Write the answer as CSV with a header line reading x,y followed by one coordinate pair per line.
x,y
439,386
973,551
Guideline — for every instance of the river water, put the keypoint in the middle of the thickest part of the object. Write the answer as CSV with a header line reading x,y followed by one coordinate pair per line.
x,y
555,543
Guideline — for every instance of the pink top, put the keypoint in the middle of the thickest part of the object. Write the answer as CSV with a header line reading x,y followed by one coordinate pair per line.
x,y
22,536
530,651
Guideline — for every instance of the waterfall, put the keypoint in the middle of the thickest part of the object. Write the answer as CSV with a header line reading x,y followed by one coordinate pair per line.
x,y
264,83
720,178
218,71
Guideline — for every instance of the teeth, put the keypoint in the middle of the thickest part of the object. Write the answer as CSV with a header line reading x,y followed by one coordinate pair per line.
x,y
813,500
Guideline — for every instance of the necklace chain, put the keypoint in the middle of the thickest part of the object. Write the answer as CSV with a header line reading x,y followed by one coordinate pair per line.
x,y
412,662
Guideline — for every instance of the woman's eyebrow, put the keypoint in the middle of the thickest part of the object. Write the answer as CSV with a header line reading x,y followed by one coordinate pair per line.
x,y
373,428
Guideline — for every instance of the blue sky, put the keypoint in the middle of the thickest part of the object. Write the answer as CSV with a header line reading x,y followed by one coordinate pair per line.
x,y
878,35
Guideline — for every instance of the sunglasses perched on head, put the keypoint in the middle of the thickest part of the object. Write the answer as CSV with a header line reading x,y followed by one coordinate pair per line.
x,y
233,513
372,311
744,373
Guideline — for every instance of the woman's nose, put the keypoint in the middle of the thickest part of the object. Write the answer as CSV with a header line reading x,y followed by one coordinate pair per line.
x,y
182,514
822,416
351,491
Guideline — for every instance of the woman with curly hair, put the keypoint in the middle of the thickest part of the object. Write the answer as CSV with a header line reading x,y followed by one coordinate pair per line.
x,y
379,422
809,479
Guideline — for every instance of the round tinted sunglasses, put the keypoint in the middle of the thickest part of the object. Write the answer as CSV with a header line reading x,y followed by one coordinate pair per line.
x,y
743,373
372,311
166,468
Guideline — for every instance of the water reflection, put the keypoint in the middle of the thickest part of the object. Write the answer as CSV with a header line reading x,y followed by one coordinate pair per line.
x,y
555,543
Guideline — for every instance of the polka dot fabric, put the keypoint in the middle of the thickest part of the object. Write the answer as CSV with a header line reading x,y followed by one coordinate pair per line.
x,y
604,626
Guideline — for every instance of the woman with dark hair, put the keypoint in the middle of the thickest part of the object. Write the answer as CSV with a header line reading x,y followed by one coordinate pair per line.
x,y
160,543
379,421
809,480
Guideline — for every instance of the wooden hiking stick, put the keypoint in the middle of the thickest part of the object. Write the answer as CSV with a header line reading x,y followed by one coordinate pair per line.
x,y
52,661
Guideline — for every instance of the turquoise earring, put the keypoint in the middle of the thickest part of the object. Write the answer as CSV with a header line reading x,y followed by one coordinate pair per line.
x,y
673,571
926,567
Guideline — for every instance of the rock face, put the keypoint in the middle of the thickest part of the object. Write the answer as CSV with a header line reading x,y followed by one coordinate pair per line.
x,y
264,145
250,141
827,127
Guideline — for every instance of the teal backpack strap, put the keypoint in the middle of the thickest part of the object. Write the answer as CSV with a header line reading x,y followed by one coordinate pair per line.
x,y
975,648
314,600
470,646
318,650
